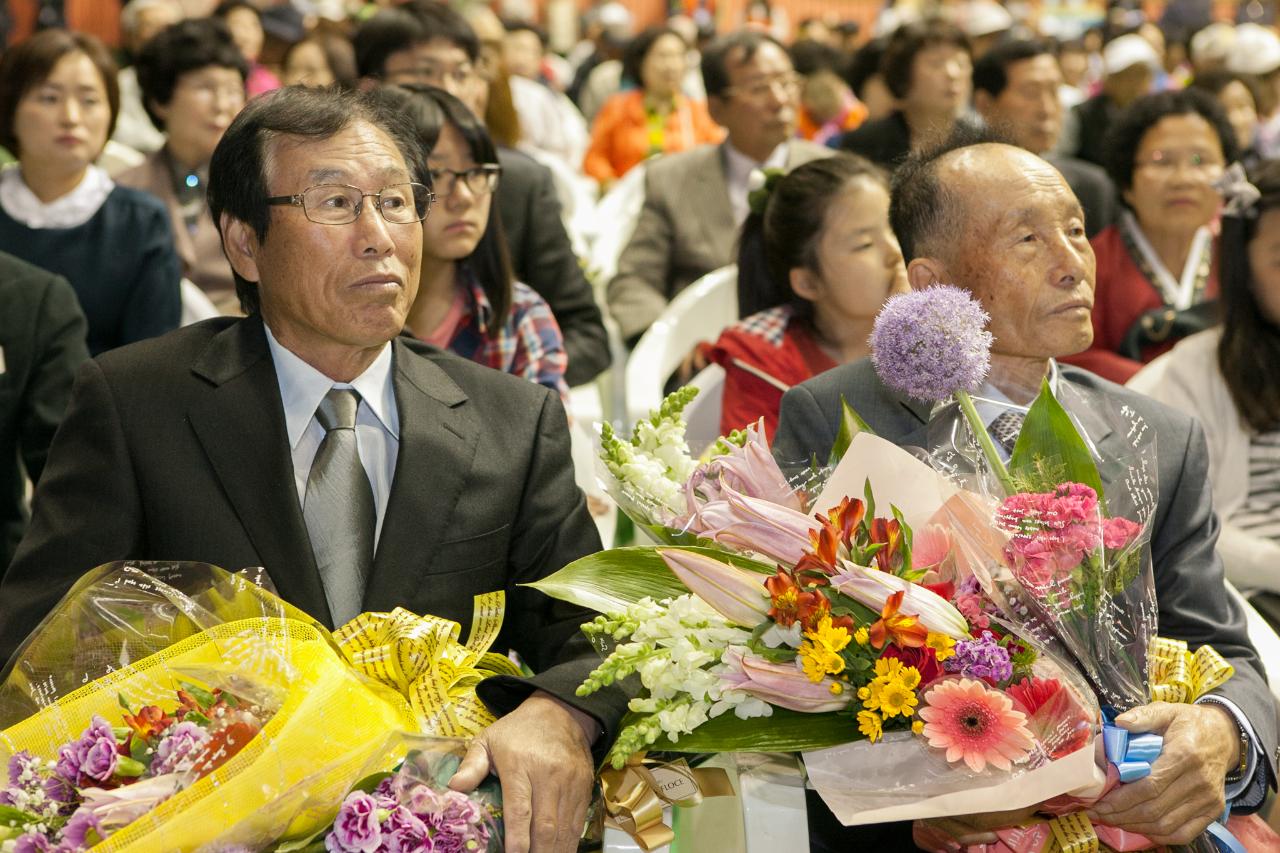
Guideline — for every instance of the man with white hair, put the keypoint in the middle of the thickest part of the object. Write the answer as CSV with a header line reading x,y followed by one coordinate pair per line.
x,y
1130,64
139,21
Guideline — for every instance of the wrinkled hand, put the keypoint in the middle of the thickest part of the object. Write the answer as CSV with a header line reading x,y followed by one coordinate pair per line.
x,y
977,828
1184,792
692,364
541,753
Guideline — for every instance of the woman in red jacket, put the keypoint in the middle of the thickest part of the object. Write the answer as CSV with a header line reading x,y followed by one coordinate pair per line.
x,y
816,261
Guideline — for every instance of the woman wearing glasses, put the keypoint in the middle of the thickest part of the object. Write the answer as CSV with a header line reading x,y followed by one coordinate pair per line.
x,y
58,103
468,299
1157,277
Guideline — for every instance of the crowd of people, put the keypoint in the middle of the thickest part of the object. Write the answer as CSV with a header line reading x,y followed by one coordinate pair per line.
x,y
438,177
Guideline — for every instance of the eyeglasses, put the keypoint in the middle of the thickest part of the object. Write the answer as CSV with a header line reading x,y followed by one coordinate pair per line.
x,y
213,91
432,74
340,204
787,84
481,180
1164,163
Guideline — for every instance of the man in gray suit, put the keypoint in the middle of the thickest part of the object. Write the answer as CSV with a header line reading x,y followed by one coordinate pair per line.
x,y
695,201
1002,223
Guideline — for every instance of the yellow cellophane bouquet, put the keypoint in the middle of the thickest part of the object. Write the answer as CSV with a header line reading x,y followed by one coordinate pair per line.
x,y
137,633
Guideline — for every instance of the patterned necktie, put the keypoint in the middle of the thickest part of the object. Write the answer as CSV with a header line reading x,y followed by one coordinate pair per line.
x,y
1005,429
339,508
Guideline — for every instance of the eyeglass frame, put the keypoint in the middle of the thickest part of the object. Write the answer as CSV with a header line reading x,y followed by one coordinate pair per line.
x,y
1169,166
460,75
296,201
793,80
482,169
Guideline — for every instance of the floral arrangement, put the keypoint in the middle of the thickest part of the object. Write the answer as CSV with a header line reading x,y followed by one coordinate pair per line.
x,y
109,776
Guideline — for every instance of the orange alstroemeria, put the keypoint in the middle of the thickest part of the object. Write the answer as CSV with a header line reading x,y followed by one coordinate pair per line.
x,y
791,602
897,628
149,722
846,517
889,532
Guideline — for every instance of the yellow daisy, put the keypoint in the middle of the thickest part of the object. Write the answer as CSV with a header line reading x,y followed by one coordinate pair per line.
x,y
862,636
910,676
869,725
942,645
820,651
896,698
917,727
888,668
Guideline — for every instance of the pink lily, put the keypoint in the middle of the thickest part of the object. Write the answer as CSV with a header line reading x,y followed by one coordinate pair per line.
x,y
873,588
749,470
736,594
744,523
782,684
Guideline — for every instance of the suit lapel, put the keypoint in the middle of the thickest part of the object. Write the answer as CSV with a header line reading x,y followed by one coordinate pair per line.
x,y
709,201
240,425
438,439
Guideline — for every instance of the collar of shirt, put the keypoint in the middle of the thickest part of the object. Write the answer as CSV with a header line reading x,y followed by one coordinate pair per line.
x,y
991,403
302,387
738,168
69,211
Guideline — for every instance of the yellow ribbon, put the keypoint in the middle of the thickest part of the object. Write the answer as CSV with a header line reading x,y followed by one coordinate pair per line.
x,y
1178,675
635,795
1072,833
420,657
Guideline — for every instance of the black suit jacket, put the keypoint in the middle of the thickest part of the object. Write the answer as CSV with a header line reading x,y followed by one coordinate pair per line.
x,y
543,258
176,449
1092,187
1193,601
885,141
42,342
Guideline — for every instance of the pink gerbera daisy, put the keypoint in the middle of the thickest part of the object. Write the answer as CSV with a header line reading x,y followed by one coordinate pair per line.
x,y
972,722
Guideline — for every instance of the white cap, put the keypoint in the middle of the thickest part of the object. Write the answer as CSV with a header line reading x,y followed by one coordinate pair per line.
x,y
1128,51
1214,43
985,17
1256,51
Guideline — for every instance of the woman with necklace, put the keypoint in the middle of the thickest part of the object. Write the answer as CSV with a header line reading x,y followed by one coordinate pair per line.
x,y
653,118
192,78
1157,278
816,261
58,104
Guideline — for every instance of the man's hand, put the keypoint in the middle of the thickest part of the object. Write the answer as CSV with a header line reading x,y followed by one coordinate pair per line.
x,y
691,365
969,829
541,752
1184,792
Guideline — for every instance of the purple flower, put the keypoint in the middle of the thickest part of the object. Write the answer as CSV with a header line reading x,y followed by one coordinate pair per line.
x,y
99,760
32,842
23,767
406,833
179,748
981,658
93,755
931,343
76,834
423,800
356,829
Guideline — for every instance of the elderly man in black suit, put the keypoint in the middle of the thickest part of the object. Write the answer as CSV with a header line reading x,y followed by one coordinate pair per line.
x,y
363,470
42,343
1003,223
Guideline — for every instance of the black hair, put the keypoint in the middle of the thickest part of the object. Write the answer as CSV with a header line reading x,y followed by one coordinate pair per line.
x,y
1143,114
991,71
339,55
784,234
428,109
810,57
865,64
742,45
637,50
239,167
908,41
1214,82
1250,347
921,207
226,7
512,25
401,28
179,49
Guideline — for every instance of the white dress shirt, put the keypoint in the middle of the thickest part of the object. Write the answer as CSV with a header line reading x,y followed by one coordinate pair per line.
x,y
738,169
302,387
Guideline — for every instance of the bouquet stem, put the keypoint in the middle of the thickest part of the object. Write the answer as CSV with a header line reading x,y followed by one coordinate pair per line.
x,y
979,430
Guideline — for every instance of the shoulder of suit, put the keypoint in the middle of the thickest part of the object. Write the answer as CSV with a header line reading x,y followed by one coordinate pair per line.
x,y
806,151
1165,418
674,167
477,381
174,351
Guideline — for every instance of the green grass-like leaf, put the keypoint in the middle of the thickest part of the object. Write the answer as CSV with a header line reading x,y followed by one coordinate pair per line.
x,y
784,731
1048,432
851,423
613,580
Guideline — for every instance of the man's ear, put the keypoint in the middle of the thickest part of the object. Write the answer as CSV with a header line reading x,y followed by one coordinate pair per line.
x,y
922,272
716,107
983,102
240,244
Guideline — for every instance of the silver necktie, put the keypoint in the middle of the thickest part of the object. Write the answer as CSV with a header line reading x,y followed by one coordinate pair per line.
x,y
339,508
1005,428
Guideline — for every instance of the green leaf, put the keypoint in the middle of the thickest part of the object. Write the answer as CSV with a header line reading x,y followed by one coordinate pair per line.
x,y
613,580
784,731
197,718
129,768
870,501
138,749
851,423
1049,433
370,782
9,816
202,696
124,703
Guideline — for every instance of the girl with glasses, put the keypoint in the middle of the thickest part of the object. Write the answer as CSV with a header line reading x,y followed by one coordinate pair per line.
x,y
468,299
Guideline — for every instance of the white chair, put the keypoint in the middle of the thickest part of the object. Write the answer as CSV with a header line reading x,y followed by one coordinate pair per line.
x,y
702,416
1264,639
196,306
698,313
616,216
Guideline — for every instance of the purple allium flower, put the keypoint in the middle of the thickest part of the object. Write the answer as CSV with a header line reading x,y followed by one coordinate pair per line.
x,y
981,658
356,829
931,343
32,842
75,833
179,748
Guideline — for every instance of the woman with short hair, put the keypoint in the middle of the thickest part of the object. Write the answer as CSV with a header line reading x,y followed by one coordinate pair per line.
x,y
58,105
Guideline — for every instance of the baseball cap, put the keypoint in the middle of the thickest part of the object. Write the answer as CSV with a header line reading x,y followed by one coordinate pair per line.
x,y
1256,51
1128,51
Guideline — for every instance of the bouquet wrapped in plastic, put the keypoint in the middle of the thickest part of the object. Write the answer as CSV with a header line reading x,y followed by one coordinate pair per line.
x,y
231,713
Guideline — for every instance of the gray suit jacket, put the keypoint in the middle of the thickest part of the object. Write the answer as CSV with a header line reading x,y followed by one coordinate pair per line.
x,y
686,229
1193,602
